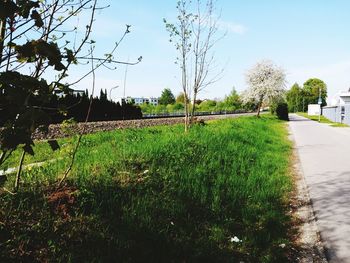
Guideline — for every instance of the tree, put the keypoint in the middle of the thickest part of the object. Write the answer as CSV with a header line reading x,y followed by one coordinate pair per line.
x,y
39,42
265,83
180,98
233,100
312,89
295,98
167,97
103,95
207,105
194,36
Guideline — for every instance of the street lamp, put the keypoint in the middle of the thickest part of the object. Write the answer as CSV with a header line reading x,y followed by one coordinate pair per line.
x,y
110,92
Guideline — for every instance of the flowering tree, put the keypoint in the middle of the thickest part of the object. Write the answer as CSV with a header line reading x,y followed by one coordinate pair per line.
x,y
266,82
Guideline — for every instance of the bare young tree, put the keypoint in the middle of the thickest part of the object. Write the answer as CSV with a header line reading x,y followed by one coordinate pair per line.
x,y
204,30
194,36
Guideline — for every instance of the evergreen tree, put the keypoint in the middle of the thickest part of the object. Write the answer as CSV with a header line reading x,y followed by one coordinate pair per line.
x,y
167,97
295,98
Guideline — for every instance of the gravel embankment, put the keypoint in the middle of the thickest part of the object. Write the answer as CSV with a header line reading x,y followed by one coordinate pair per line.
x,y
55,130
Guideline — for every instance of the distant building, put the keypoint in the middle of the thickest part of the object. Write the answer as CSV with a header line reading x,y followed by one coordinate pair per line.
x,y
154,101
341,98
339,108
141,100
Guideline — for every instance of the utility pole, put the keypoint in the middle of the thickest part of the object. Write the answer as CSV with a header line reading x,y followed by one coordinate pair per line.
x,y
319,103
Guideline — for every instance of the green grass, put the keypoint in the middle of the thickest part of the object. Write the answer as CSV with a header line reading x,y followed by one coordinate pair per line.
x,y
157,195
322,120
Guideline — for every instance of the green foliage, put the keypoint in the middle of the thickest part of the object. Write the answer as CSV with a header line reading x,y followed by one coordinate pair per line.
x,y
156,195
298,98
20,92
274,104
311,90
207,105
180,98
10,9
160,109
282,111
167,97
233,100
34,50
295,98
178,106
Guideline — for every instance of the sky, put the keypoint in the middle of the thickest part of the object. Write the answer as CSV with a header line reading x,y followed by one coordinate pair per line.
x,y
308,39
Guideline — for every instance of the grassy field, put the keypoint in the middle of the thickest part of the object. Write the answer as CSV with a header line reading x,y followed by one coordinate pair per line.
x,y
323,119
217,194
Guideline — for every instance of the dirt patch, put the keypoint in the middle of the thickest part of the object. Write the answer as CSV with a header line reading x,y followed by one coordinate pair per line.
x,y
62,201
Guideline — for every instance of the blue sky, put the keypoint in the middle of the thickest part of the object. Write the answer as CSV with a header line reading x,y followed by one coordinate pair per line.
x,y
306,38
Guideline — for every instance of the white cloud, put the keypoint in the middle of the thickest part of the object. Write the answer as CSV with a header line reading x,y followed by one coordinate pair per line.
x,y
232,27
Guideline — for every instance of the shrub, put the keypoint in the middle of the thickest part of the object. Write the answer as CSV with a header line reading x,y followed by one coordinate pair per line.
x,y
273,107
282,111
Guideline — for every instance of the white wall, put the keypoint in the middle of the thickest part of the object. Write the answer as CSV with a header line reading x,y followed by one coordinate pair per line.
x,y
313,109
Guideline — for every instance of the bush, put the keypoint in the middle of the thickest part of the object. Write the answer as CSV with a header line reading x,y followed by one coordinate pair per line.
x,y
273,108
282,111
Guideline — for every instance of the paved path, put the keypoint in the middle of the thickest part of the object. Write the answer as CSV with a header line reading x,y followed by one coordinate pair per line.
x,y
324,153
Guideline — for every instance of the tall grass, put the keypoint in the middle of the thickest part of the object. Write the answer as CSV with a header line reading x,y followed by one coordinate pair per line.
x,y
216,194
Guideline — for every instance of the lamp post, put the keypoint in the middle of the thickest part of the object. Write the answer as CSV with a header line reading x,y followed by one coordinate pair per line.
x,y
110,91
319,103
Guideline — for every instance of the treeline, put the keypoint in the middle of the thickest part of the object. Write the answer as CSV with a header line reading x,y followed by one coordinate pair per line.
x,y
168,104
75,106
298,98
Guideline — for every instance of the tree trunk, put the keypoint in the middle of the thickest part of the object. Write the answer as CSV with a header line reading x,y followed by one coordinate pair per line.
x,y
18,176
186,114
259,108
193,106
2,36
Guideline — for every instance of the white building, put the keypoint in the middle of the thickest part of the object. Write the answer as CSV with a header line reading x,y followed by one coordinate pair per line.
x,y
341,98
339,108
313,109
140,100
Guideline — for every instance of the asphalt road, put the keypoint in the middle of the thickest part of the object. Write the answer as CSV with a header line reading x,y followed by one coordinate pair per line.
x,y
324,154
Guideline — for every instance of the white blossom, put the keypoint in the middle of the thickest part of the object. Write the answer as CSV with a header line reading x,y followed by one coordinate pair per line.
x,y
235,239
282,245
265,82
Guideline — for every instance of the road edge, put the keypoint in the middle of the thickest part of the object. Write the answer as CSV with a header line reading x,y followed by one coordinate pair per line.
x,y
312,248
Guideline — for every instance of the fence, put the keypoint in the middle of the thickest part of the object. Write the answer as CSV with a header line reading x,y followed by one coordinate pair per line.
x,y
330,112
339,114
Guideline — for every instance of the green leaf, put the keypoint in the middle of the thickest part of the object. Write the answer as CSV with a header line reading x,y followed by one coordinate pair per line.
x,y
37,18
28,149
26,6
7,9
54,145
